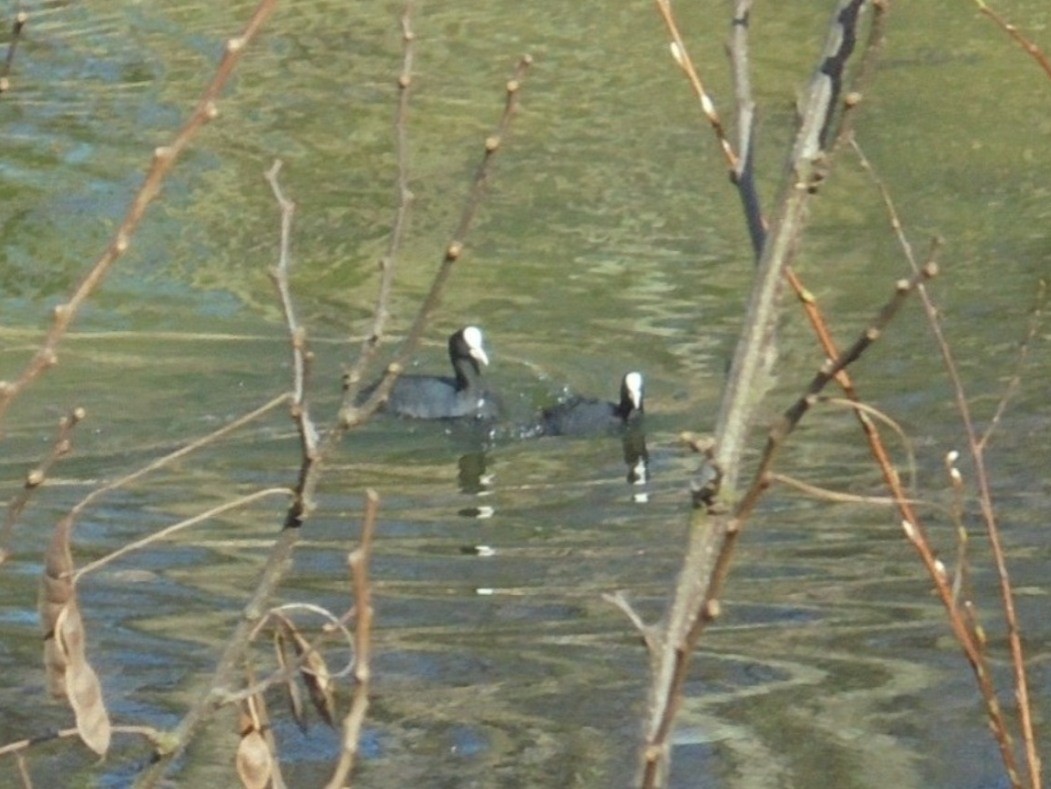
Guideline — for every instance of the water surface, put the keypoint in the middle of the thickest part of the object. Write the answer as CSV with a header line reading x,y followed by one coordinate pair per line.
x,y
609,240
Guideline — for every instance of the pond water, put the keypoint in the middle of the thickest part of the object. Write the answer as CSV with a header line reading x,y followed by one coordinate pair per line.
x,y
609,240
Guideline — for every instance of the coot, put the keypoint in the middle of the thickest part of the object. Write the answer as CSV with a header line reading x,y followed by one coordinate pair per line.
x,y
585,416
443,397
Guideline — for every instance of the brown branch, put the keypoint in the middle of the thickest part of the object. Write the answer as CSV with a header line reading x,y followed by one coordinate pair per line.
x,y
164,158
971,639
714,487
709,585
359,705
779,433
682,57
1025,43
302,504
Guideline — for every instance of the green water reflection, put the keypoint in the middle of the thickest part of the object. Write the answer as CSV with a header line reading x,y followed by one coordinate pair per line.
x,y
609,240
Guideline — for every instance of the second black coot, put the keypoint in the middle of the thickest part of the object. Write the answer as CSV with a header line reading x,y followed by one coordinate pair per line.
x,y
583,416
445,397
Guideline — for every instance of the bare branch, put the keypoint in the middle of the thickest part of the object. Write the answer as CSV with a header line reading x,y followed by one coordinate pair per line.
x,y
355,718
388,263
37,476
163,161
352,414
302,504
168,531
714,487
1022,40
971,640
682,57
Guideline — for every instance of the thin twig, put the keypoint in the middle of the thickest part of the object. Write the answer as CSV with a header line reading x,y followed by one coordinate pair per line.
x,y
164,158
792,416
351,414
168,531
151,734
746,384
302,505
1035,320
37,476
682,57
388,264
181,452
355,719
834,496
1031,49
970,640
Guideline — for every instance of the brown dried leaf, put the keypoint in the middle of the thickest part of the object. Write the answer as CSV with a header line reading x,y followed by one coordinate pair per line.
x,y
254,760
83,690
286,661
316,677
56,592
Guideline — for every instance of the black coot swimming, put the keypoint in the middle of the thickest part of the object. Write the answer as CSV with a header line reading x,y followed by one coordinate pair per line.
x,y
582,416
444,397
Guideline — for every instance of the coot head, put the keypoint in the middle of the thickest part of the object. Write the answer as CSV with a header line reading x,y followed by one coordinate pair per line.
x,y
444,397
467,354
587,416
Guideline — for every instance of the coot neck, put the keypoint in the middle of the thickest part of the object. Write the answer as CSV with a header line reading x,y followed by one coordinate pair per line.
x,y
627,405
467,371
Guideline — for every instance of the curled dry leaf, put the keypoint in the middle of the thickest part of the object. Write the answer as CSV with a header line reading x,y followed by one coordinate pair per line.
x,y
286,662
69,675
254,761
316,677
56,592
82,688
313,669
